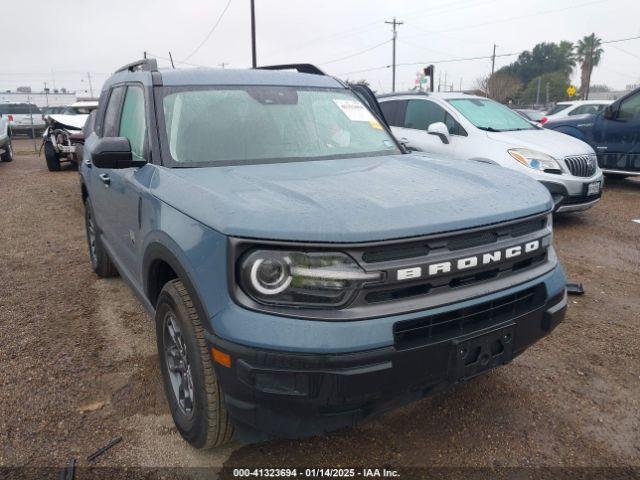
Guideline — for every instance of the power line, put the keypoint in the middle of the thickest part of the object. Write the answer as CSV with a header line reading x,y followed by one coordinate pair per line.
x,y
519,17
356,53
215,25
622,39
627,52
429,62
395,23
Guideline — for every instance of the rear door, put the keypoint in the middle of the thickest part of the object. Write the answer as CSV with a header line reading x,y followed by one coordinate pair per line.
x,y
101,192
617,139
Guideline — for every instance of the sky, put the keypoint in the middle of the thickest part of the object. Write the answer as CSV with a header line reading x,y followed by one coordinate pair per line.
x,y
66,43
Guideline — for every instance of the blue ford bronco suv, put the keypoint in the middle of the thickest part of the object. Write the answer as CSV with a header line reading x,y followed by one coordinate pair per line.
x,y
303,270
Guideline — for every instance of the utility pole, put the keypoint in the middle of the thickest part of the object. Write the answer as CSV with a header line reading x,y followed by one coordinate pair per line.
x,y
46,93
460,84
586,96
439,80
547,88
89,78
254,61
446,87
538,91
493,60
393,70
223,64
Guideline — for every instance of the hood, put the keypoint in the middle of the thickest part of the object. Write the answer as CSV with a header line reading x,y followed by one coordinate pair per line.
x,y
350,200
556,144
573,120
71,122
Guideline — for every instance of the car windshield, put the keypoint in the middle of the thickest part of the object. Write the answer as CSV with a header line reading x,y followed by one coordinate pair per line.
x,y
489,115
257,123
558,108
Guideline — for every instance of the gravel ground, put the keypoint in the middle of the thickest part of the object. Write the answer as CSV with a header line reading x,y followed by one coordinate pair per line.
x,y
78,363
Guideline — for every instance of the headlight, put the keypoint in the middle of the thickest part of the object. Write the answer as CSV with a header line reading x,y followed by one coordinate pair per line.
x,y
532,159
278,277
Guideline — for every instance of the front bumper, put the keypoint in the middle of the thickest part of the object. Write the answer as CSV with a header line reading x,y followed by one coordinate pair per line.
x,y
271,393
571,195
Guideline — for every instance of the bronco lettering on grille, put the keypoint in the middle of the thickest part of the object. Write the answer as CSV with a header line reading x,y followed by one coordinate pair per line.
x,y
464,263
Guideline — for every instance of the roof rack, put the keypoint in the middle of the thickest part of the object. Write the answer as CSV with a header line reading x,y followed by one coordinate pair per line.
x,y
400,94
146,64
300,67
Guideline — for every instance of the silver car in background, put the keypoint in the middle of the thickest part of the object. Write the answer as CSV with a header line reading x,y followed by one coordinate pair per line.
x,y
468,127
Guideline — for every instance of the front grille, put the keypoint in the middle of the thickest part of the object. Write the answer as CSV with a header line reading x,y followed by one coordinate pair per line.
x,y
462,321
453,242
581,166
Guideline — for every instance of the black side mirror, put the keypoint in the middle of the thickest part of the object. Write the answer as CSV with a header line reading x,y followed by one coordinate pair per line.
x,y
114,152
609,112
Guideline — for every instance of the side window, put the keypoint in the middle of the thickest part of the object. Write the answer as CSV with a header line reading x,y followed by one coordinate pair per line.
x,y
393,111
454,127
110,122
585,109
133,121
630,107
422,113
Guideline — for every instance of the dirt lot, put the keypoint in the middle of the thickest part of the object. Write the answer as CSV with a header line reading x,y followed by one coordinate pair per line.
x,y
78,363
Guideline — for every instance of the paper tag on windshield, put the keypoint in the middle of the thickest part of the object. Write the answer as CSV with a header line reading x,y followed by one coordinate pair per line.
x,y
354,110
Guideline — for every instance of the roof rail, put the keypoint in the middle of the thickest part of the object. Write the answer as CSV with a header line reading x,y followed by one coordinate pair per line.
x,y
400,94
300,67
146,64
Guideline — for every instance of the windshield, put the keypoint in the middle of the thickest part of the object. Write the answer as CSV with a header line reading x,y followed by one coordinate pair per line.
x,y
557,109
230,124
489,115
19,108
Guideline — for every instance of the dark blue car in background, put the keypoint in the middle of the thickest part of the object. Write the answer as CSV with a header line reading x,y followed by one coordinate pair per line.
x,y
614,134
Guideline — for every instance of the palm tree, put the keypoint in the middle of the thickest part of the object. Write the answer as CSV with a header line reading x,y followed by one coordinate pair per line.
x,y
588,52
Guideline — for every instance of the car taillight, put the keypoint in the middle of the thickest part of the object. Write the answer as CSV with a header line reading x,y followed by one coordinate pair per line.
x,y
544,119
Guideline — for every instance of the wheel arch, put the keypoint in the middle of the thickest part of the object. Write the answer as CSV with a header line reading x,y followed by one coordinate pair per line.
x,y
160,265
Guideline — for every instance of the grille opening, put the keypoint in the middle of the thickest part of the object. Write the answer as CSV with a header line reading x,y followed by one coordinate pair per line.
x,y
396,253
528,227
461,321
528,262
580,166
475,240
396,294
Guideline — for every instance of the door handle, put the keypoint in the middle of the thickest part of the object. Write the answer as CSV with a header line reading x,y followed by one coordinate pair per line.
x,y
104,178
88,163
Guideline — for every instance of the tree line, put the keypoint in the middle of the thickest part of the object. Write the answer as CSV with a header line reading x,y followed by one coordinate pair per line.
x,y
543,74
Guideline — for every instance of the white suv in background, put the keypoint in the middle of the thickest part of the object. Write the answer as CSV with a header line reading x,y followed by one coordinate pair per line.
x,y
469,127
24,118
578,107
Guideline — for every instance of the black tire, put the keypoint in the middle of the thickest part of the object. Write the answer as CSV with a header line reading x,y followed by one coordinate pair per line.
x,y
206,423
98,256
52,158
616,176
7,155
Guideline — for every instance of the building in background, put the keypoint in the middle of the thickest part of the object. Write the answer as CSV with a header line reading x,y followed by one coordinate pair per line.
x,y
41,99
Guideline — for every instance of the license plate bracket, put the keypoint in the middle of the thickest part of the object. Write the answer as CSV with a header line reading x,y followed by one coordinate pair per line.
x,y
592,188
476,355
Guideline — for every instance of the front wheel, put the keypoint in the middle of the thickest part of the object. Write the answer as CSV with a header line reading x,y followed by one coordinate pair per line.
x,y
190,382
52,158
7,155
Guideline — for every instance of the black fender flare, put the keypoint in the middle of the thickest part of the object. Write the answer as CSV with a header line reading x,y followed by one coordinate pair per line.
x,y
157,251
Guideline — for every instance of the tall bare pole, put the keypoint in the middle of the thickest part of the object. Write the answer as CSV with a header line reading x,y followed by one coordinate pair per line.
x,y
393,60
493,60
586,96
254,61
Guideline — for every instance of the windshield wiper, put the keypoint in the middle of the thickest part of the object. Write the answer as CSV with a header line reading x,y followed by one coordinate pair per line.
x,y
490,129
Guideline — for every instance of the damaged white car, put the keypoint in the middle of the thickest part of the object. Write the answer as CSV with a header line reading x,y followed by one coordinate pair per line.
x,y
63,137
